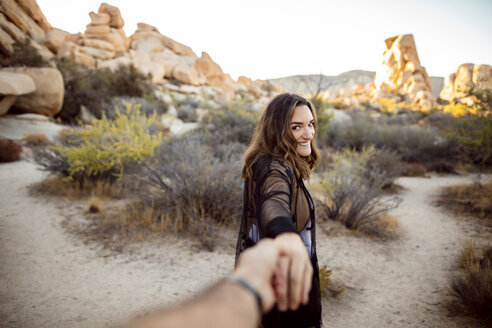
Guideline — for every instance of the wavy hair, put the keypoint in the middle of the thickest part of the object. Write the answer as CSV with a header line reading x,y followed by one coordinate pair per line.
x,y
273,136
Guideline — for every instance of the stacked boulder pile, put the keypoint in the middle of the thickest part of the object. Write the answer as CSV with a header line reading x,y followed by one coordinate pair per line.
x,y
400,77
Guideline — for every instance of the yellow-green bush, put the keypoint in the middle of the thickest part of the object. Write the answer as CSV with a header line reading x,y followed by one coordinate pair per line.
x,y
107,146
459,109
388,105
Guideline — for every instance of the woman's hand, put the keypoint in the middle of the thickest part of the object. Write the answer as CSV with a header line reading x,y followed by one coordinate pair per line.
x,y
293,274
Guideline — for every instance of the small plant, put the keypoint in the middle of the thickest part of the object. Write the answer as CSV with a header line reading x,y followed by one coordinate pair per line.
x,y
324,279
103,150
458,109
472,289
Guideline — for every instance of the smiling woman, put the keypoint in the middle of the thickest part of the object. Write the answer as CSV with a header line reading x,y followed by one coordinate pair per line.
x,y
276,203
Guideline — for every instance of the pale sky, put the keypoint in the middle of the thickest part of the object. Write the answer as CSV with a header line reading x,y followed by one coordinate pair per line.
x,y
276,38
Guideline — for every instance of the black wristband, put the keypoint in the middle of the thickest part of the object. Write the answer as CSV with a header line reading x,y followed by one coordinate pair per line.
x,y
247,285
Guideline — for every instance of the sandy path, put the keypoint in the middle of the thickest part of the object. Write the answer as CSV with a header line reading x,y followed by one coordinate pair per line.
x,y
399,283
50,279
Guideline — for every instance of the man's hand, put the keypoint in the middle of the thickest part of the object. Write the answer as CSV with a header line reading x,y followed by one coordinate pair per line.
x,y
292,279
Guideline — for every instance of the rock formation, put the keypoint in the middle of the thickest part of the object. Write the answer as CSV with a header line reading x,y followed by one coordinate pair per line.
x,y
104,44
22,19
466,76
401,71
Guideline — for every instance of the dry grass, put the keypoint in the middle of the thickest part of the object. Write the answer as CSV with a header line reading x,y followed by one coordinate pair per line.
x,y
413,170
472,289
472,200
73,190
36,139
384,226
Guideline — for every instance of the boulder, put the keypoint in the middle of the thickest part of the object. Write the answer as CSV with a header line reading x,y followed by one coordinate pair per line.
x,y
96,52
113,64
48,97
16,14
116,20
99,44
11,29
211,70
11,86
99,19
115,36
144,64
32,9
5,103
188,74
15,83
6,41
55,38
145,31
467,75
401,71
97,30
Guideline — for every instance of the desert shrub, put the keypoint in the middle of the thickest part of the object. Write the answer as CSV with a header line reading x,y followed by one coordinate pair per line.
x,y
473,133
383,167
147,106
353,194
9,150
473,200
36,139
23,54
412,143
95,88
459,109
189,189
187,110
103,150
229,123
472,289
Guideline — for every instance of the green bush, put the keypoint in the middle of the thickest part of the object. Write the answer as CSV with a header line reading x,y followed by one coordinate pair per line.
x,y
104,149
23,54
95,88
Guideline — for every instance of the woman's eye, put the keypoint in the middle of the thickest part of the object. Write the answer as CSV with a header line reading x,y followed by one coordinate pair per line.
x,y
296,128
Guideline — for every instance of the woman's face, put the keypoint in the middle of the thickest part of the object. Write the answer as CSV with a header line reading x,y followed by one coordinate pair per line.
x,y
302,125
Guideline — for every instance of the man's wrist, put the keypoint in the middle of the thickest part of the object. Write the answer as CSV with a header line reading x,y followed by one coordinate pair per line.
x,y
247,286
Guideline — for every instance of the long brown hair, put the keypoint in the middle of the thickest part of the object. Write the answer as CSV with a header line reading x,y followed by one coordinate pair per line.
x,y
273,136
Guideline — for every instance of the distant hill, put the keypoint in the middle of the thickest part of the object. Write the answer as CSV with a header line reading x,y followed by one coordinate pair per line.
x,y
306,84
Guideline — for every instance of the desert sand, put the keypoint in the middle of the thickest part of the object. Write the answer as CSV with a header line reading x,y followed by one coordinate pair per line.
x,y
50,278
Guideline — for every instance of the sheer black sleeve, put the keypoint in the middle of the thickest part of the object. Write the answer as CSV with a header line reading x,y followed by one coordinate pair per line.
x,y
273,202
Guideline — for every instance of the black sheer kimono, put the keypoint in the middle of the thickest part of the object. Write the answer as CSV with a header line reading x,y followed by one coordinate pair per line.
x,y
274,201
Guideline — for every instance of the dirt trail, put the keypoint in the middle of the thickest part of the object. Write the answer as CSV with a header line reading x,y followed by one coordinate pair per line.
x,y
48,278
400,283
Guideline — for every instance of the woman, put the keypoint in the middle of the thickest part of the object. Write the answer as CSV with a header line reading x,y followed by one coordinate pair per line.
x,y
276,204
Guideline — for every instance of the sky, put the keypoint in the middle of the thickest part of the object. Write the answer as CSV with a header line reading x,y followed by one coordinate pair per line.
x,y
276,38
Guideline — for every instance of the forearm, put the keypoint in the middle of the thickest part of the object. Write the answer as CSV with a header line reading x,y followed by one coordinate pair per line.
x,y
222,306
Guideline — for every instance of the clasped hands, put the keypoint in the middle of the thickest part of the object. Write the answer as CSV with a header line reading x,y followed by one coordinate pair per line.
x,y
279,269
